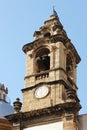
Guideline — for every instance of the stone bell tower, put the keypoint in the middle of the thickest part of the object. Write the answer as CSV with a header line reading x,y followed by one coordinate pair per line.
x,y
50,81
50,91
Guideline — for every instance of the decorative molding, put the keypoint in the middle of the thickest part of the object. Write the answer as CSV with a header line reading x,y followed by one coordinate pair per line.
x,y
58,110
45,72
66,84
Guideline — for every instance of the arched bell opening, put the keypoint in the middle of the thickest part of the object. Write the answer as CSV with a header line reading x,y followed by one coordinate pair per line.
x,y
69,66
42,60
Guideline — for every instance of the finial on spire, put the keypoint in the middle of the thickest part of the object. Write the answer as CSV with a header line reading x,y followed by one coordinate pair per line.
x,y
53,7
54,12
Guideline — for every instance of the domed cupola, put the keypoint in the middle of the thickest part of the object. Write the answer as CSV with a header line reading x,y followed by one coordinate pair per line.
x,y
5,107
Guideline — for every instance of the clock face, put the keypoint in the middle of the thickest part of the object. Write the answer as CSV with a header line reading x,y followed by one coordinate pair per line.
x,y
41,91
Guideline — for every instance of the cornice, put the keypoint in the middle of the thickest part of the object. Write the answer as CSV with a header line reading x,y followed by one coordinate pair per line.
x,y
35,44
45,72
58,110
66,84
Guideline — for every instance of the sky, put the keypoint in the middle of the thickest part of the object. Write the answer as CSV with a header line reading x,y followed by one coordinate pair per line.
x,y
18,21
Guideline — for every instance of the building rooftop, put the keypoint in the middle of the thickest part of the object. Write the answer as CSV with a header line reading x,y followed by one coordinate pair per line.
x,y
5,109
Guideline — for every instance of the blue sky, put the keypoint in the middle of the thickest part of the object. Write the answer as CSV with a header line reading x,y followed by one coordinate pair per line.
x,y
18,21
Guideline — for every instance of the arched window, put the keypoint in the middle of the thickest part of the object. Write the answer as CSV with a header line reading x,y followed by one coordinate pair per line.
x,y
69,66
42,60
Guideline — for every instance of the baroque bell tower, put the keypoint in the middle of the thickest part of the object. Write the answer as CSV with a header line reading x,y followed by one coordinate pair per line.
x,y
50,83
50,99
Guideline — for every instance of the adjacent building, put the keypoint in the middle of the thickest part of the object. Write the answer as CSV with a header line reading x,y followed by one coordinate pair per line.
x,y
5,109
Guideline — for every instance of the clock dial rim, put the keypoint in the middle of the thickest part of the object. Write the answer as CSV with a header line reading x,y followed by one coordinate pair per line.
x,y
41,91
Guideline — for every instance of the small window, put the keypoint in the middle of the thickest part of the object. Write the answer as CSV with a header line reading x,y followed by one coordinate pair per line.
x,y
47,34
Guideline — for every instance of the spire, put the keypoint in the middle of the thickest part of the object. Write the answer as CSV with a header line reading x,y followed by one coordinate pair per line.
x,y
54,12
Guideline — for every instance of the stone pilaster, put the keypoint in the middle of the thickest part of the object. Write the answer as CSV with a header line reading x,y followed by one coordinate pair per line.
x,y
69,123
